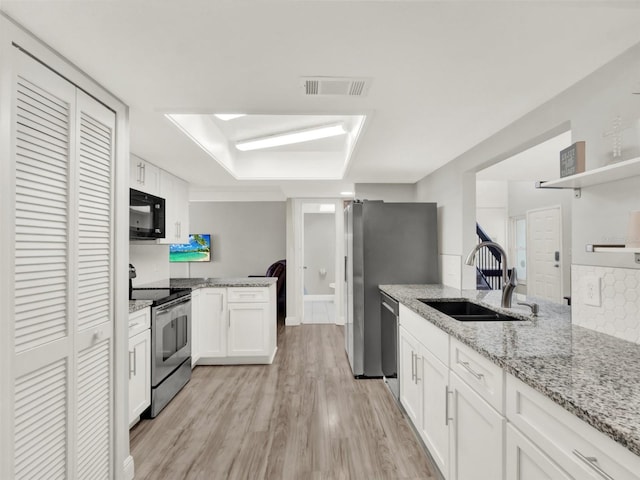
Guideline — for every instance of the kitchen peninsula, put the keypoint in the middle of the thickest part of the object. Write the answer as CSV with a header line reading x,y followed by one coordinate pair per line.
x,y
520,373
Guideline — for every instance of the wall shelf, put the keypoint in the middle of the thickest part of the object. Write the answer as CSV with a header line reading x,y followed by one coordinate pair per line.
x,y
614,249
608,173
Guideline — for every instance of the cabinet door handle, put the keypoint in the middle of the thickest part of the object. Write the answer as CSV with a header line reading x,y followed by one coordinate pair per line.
x,y
139,176
144,173
468,368
132,363
592,462
447,419
413,367
179,229
417,359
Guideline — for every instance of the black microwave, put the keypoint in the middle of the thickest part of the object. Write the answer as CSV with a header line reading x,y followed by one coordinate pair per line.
x,y
146,215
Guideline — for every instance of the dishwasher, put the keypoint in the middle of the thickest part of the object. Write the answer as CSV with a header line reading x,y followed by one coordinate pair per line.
x,y
389,342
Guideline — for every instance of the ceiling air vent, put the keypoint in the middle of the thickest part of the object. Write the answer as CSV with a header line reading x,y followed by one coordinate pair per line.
x,y
341,86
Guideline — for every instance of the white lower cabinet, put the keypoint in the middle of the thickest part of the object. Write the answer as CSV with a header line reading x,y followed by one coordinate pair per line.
x,y
212,325
195,327
235,325
248,334
139,364
435,412
480,423
463,432
525,461
565,440
410,390
476,435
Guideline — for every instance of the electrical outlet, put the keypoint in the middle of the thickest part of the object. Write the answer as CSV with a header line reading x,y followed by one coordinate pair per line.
x,y
591,291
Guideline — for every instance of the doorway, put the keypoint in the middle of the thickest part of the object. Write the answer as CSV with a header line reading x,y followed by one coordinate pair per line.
x,y
319,261
531,224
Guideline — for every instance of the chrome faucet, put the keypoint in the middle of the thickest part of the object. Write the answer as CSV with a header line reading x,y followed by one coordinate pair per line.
x,y
509,283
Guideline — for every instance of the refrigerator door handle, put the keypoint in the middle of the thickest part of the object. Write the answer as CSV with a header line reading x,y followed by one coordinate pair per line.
x,y
345,268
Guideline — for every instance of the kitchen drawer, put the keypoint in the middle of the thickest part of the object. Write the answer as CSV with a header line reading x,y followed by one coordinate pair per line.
x,y
484,376
139,321
436,340
248,294
578,448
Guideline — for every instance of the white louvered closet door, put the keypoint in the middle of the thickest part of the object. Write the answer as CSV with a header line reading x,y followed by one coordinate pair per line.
x,y
62,396
94,126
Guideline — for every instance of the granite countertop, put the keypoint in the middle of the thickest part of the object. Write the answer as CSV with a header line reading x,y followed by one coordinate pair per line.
x,y
135,305
592,375
194,283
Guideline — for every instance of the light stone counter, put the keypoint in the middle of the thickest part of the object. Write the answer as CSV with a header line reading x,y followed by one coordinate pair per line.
x,y
194,283
135,305
594,376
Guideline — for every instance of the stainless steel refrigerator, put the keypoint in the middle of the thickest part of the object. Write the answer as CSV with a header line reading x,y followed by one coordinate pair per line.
x,y
386,243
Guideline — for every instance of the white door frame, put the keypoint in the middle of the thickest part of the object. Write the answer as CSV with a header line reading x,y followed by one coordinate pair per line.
x,y
295,258
530,262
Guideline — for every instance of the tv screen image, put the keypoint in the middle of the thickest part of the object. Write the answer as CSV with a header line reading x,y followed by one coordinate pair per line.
x,y
197,250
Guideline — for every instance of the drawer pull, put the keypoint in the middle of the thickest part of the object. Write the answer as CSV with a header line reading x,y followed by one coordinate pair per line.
x,y
468,368
592,462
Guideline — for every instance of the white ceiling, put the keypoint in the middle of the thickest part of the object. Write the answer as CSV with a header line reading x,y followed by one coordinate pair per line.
x,y
444,75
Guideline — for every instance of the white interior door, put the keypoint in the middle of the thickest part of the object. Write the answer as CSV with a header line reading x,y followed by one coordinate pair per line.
x,y
544,253
63,320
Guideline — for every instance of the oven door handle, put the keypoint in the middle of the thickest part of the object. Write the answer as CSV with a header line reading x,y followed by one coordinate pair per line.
x,y
173,303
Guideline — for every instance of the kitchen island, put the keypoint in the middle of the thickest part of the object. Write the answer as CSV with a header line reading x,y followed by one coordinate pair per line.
x,y
234,320
594,376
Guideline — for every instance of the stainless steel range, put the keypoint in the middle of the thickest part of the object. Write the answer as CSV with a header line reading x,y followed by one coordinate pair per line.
x,y
170,342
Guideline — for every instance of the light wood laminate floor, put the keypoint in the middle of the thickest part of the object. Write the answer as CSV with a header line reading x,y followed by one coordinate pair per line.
x,y
304,417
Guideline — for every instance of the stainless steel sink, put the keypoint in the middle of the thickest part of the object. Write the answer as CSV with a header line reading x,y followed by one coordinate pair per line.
x,y
465,311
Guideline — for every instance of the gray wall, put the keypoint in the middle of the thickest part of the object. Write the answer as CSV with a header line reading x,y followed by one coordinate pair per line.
x,y
319,253
246,237
389,192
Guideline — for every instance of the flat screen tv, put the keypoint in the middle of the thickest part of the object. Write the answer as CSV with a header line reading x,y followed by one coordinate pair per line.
x,y
197,250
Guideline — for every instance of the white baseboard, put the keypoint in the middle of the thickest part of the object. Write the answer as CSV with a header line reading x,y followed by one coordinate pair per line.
x,y
291,321
128,468
319,298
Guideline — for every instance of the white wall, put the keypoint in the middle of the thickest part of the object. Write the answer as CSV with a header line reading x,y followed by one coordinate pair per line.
x,y
389,192
586,108
491,209
151,262
319,253
246,237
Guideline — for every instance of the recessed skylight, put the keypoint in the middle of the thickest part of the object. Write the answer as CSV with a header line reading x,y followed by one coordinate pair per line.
x,y
288,138
229,116
263,143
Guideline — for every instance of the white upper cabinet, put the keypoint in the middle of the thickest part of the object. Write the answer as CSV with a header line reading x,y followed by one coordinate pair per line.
x,y
144,176
175,191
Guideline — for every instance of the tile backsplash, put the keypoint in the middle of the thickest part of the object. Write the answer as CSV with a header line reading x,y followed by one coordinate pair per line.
x,y
619,311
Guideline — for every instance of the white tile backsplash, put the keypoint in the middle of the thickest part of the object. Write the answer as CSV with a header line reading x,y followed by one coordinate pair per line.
x,y
619,312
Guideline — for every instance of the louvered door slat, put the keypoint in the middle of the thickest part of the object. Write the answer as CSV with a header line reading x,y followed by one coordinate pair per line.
x,y
39,397
94,411
42,99
41,314
94,209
